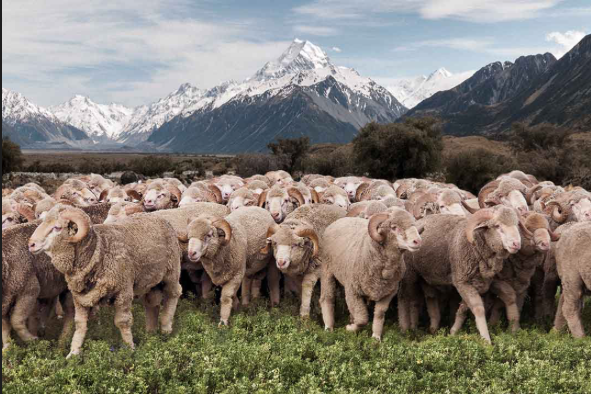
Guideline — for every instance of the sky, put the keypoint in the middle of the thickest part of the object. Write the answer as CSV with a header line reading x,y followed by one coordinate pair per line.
x,y
134,52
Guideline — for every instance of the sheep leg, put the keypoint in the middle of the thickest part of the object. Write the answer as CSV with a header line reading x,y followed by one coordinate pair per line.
x,y
308,285
408,304
474,301
433,308
461,316
81,320
24,308
229,291
246,290
59,310
206,287
572,305
358,310
495,316
547,307
124,318
379,317
559,320
152,302
172,293
255,288
6,328
67,305
294,286
507,294
327,299
274,280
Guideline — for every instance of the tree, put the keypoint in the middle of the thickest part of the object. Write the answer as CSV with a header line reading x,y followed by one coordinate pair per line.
x,y
470,170
411,149
291,151
12,157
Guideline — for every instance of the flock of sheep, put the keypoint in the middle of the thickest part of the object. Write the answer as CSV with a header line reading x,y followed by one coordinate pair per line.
x,y
434,246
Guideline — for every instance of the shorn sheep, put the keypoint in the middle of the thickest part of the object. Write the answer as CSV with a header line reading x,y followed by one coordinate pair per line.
x,y
113,264
366,257
296,244
230,250
573,261
464,253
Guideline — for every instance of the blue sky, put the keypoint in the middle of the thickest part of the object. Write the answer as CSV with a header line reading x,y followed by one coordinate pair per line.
x,y
136,51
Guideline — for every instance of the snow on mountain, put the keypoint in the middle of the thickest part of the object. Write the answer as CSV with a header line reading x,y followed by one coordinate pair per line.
x,y
15,107
412,91
99,121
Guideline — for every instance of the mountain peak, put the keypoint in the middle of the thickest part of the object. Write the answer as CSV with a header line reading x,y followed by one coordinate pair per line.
x,y
441,72
300,56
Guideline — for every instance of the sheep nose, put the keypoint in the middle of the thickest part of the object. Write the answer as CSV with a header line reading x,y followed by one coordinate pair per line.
x,y
416,242
149,202
516,245
32,246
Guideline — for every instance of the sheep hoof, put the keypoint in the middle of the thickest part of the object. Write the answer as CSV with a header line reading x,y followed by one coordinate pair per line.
x,y
72,354
328,329
5,348
377,337
352,328
223,324
166,330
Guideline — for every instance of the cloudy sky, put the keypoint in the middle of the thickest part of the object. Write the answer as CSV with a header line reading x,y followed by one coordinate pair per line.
x,y
136,51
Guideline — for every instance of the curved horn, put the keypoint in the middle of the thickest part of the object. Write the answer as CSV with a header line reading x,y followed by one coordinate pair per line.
x,y
559,213
531,194
356,211
176,193
361,190
295,193
183,237
374,227
554,237
270,232
134,194
315,196
477,221
421,202
33,195
485,191
104,195
223,225
307,232
263,198
468,208
134,209
81,221
526,231
25,211
402,191
65,202
216,192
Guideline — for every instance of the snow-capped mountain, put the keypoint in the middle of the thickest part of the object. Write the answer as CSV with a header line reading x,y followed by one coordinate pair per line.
x,y
300,94
412,91
35,126
101,122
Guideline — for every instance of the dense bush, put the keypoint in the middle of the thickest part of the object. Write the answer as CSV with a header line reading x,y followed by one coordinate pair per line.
x,y
541,137
400,150
12,157
470,170
273,351
290,152
338,163
248,165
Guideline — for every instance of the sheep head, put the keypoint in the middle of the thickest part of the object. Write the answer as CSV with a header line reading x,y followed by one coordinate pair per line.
x,y
201,192
334,195
396,226
499,224
121,211
62,224
206,235
293,245
450,203
535,228
160,195
281,202
242,198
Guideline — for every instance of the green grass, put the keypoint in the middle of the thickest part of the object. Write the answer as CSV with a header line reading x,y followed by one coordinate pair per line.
x,y
273,351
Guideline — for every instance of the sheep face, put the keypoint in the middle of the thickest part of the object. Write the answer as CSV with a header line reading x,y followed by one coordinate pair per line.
x,y
116,196
205,239
450,203
542,240
582,210
193,195
10,219
397,227
159,196
293,248
279,206
49,231
238,201
117,213
516,200
501,227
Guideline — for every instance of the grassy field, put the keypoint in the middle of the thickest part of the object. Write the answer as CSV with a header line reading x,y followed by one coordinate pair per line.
x,y
273,351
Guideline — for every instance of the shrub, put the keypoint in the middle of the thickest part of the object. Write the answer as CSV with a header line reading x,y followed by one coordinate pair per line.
x,y
151,165
338,163
251,164
12,157
399,150
541,137
470,170
290,151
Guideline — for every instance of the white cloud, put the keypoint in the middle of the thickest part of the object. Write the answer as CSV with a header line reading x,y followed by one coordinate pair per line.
x,y
337,49
321,31
133,51
484,11
565,41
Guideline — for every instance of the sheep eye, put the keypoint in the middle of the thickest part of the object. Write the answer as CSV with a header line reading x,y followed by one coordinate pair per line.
x,y
9,220
57,229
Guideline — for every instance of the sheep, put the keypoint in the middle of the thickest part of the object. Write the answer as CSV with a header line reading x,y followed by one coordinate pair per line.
x,y
506,191
320,185
296,244
573,261
6,192
77,192
242,197
334,195
259,178
570,206
27,279
349,185
366,209
201,192
257,187
447,202
161,195
43,207
176,183
13,214
377,190
113,263
280,178
98,184
280,202
228,185
230,250
117,194
466,253
366,257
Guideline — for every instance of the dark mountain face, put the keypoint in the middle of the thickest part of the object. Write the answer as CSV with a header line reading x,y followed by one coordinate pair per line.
x,y
536,89
41,132
327,112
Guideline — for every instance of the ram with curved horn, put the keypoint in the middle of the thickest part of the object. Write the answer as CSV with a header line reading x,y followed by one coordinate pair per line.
x,y
366,257
280,202
296,245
